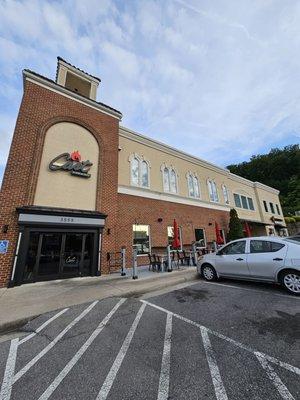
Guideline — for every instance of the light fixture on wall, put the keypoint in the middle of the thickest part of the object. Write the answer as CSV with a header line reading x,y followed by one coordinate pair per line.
x,y
159,219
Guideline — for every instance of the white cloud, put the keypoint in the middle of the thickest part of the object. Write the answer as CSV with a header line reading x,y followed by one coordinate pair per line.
x,y
216,80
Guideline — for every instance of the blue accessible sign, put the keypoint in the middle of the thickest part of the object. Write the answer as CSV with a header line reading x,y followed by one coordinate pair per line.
x,y
3,246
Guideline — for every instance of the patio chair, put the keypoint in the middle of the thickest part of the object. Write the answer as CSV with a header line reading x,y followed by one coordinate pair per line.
x,y
186,258
153,264
174,260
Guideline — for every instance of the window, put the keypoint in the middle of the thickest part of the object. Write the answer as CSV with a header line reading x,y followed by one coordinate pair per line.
x,y
170,230
264,246
225,194
250,202
272,208
265,206
212,190
169,180
200,237
277,208
243,202
234,248
193,185
237,200
141,238
139,170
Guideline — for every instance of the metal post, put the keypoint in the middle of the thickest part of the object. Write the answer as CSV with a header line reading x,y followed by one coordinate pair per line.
x,y
169,258
195,253
123,266
134,266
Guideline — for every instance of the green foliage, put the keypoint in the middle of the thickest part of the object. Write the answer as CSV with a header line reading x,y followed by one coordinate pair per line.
x,y
279,169
235,226
290,220
297,218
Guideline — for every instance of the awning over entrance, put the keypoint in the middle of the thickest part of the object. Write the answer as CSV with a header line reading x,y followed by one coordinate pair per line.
x,y
35,215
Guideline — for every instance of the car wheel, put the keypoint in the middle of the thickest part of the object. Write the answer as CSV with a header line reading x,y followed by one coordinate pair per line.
x,y
209,273
290,280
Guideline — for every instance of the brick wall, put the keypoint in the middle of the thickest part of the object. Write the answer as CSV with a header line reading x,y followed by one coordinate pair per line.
x,y
132,209
41,108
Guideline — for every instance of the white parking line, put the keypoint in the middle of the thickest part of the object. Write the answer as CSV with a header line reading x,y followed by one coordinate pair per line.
x,y
40,328
274,378
213,366
287,296
53,343
9,371
164,379
105,389
274,360
47,393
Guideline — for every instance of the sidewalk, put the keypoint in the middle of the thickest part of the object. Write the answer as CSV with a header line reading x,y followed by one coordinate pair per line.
x,y
22,303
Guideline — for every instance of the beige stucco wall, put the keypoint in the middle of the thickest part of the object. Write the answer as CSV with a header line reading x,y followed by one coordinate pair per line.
x,y
158,155
60,188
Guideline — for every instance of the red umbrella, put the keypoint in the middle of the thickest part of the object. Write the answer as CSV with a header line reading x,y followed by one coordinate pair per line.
x,y
219,238
247,229
176,240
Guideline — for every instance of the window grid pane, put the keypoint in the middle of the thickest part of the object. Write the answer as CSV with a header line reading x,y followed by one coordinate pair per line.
x,y
173,185
144,174
166,180
250,202
135,171
237,200
141,238
191,186
244,202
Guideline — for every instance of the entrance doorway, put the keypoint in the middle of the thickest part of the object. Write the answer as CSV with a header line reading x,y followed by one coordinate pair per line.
x,y
54,255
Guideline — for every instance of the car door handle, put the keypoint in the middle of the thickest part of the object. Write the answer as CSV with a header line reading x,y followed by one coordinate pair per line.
x,y
239,259
277,259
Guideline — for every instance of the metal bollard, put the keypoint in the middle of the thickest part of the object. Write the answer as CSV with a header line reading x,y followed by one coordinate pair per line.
x,y
169,258
123,266
134,266
194,253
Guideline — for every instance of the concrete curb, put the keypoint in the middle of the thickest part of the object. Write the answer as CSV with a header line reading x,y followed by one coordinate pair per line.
x,y
145,285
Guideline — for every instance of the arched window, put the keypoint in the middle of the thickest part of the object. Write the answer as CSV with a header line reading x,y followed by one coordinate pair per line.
x,y
169,180
173,182
139,171
135,171
144,174
212,190
225,194
193,185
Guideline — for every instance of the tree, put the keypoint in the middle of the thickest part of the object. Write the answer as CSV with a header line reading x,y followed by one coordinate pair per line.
x,y
235,226
279,169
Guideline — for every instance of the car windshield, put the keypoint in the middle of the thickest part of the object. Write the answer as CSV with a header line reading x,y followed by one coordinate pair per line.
x,y
293,239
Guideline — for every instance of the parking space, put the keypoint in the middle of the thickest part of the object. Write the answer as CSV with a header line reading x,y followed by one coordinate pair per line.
x,y
202,341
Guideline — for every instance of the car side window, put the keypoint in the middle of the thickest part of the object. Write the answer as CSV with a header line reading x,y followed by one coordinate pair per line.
x,y
264,246
235,248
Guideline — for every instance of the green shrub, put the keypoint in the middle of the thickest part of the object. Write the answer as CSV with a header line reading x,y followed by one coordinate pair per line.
x,y
235,226
290,220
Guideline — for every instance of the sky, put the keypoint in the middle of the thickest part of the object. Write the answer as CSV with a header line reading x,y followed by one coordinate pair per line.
x,y
216,79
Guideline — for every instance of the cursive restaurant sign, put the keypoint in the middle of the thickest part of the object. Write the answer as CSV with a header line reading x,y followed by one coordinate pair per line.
x,y
72,163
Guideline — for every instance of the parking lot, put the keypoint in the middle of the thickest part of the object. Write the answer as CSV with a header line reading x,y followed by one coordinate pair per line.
x,y
220,341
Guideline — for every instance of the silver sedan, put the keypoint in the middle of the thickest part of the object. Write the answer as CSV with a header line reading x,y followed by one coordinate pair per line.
x,y
268,259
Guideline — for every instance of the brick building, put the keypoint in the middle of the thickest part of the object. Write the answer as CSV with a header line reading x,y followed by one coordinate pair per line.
x,y
78,186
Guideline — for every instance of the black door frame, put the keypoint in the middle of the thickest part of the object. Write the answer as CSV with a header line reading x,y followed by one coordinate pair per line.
x,y
20,265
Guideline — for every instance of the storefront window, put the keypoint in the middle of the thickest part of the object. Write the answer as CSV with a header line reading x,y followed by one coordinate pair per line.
x,y
141,238
200,237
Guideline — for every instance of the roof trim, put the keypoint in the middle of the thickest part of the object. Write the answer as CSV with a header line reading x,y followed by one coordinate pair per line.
x,y
77,70
51,85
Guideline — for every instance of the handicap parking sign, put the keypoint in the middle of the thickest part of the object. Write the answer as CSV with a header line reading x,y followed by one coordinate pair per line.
x,y
3,246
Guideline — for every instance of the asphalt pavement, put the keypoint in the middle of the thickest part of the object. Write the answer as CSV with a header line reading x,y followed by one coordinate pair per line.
x,y
203,341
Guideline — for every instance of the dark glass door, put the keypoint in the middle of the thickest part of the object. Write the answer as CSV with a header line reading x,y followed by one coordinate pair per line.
x,y
72,254
50,253
54,255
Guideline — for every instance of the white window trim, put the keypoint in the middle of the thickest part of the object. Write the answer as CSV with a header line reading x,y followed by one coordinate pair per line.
x,y
150,244
225,189
170,168
140,159
193,175
212,182
246,196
